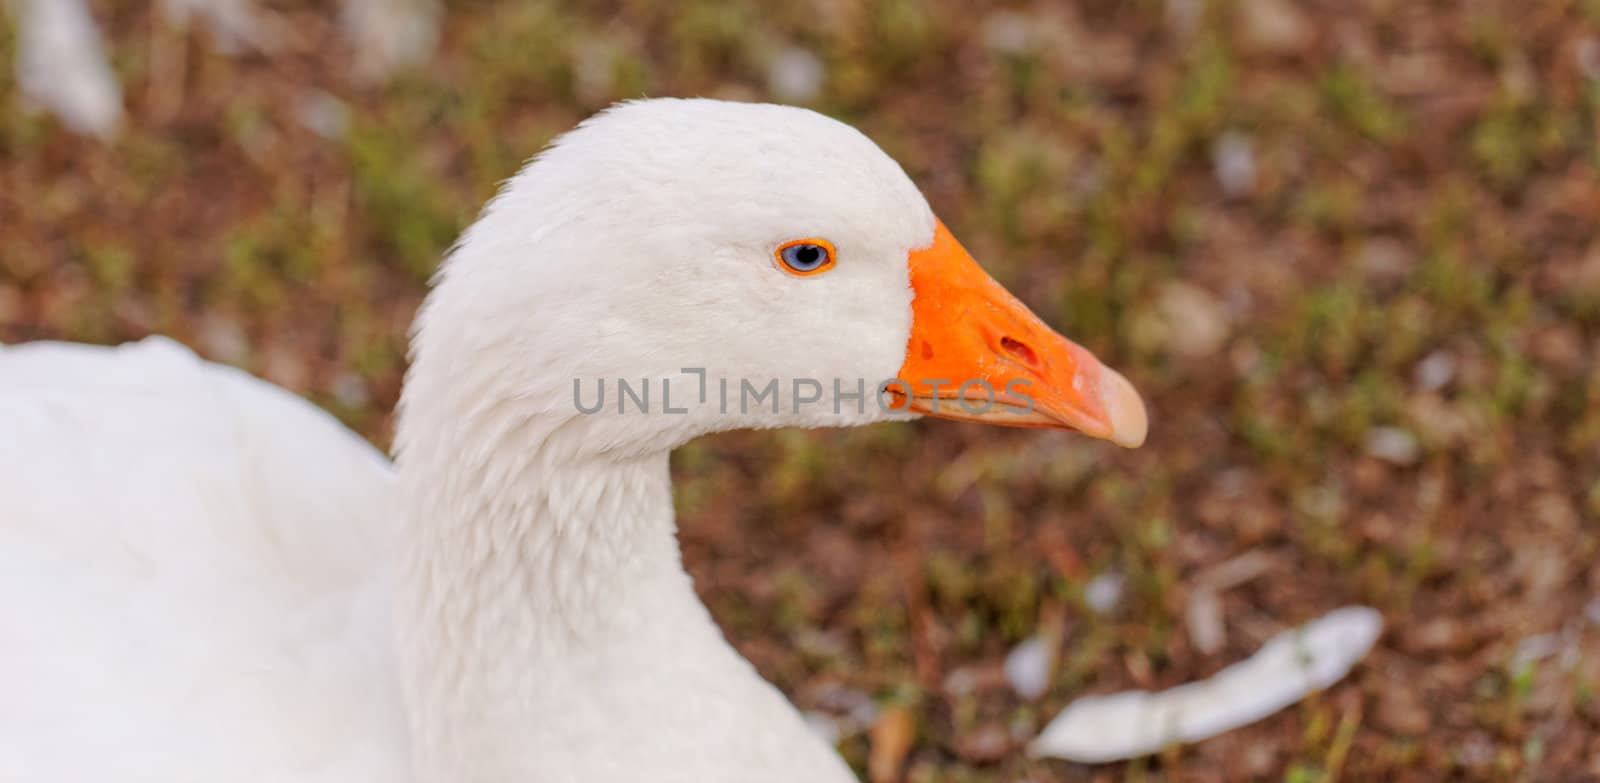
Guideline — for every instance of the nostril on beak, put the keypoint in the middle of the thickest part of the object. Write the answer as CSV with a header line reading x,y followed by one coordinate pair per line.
x,y
1020,351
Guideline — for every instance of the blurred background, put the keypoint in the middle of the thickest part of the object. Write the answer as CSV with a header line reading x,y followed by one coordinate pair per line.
x,y
1348,249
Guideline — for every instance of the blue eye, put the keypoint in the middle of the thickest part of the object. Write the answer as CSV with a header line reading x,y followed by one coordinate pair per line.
x,y
806,256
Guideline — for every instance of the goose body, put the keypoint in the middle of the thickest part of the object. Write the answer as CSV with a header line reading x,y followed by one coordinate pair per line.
x,y
187,580
205,578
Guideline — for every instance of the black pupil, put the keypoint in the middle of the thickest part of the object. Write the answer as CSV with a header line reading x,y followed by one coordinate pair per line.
x,y
806,256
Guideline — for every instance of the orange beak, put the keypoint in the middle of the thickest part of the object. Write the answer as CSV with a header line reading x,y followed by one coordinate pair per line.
x,y
977,353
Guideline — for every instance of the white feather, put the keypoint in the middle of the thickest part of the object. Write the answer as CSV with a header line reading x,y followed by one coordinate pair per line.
x,y
61,65
235,24
1288,667
390,34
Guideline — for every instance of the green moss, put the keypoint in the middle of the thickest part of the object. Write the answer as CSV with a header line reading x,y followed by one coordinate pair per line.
x,y
1351,98
413,218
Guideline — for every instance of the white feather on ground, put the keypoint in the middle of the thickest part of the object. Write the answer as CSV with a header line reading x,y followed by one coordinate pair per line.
x,y
61,65
1291,665
235,24
1028,666
390,34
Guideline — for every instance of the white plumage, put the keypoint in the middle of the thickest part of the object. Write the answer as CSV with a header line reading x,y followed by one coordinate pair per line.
x,y
187,574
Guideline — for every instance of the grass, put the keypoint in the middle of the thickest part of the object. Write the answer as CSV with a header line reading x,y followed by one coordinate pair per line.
x,y
1425,184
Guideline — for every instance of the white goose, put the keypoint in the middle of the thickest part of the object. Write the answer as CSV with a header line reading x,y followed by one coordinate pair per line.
x,y
203,578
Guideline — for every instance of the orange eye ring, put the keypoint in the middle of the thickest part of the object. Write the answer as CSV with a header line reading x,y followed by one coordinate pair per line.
x,y
806,257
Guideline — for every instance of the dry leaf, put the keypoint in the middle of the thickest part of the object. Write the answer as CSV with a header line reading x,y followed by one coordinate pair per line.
x,y
891,740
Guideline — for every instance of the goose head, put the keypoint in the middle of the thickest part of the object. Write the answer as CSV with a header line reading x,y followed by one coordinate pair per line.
x,y
670,268
677,267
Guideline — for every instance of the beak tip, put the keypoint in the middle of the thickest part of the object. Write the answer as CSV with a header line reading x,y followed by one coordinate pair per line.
x,y
1124,409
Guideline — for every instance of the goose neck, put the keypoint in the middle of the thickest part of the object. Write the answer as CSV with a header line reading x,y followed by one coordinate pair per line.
x,y
526,592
